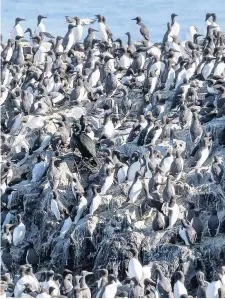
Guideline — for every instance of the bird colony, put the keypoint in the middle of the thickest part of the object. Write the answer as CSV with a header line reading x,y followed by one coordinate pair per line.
x,y
112,171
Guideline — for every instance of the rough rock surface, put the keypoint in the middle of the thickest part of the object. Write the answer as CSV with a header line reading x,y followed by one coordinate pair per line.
x,y
100,241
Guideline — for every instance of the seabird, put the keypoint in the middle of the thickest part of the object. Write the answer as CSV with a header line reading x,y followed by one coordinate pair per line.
x,y
143,29
187,233
66,225
175,26
174,212
68,40
40,25
78,30
178,287
32,256
197,225
19,232
135,268
17,29
108,181
202,285
177,166
217,169
213,224
110,289
169,190
89,39
135,166
137,291
158,222
105,33
196,129
86,293
135,188
163,286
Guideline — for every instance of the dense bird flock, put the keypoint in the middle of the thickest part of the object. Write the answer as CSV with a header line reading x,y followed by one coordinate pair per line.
x,y
125,140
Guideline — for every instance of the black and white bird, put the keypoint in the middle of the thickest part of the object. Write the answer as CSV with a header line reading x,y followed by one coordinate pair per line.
x,y
143,29
213,224
187,233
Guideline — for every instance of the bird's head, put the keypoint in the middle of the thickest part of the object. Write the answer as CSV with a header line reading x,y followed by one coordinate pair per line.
x,y
138,19
18,20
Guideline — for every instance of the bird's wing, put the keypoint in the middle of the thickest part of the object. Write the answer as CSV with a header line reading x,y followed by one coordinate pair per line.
x,y
109,32
164,287
191,235
47,34
87,21
144,32
88,143
65,41
69,19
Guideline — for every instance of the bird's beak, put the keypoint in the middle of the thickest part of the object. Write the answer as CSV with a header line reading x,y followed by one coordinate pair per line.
x,y
134,19
90,273
22,20
176,15
44,17
95,30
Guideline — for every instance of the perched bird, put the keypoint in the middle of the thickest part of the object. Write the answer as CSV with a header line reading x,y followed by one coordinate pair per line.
x,y
187,233
108,181
134,167
158,222
202,285
66,225
17,30
217,169
177,166
175,26
84,143
81,208
196,129
163,286
40,25
19,232
215,287
202,154
39,169
213,224
169,190
32,256
96,201
197,225
173,212
110,288
68,39
135,267
135,188
179,288
112,156
105,33
137,290
143,30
